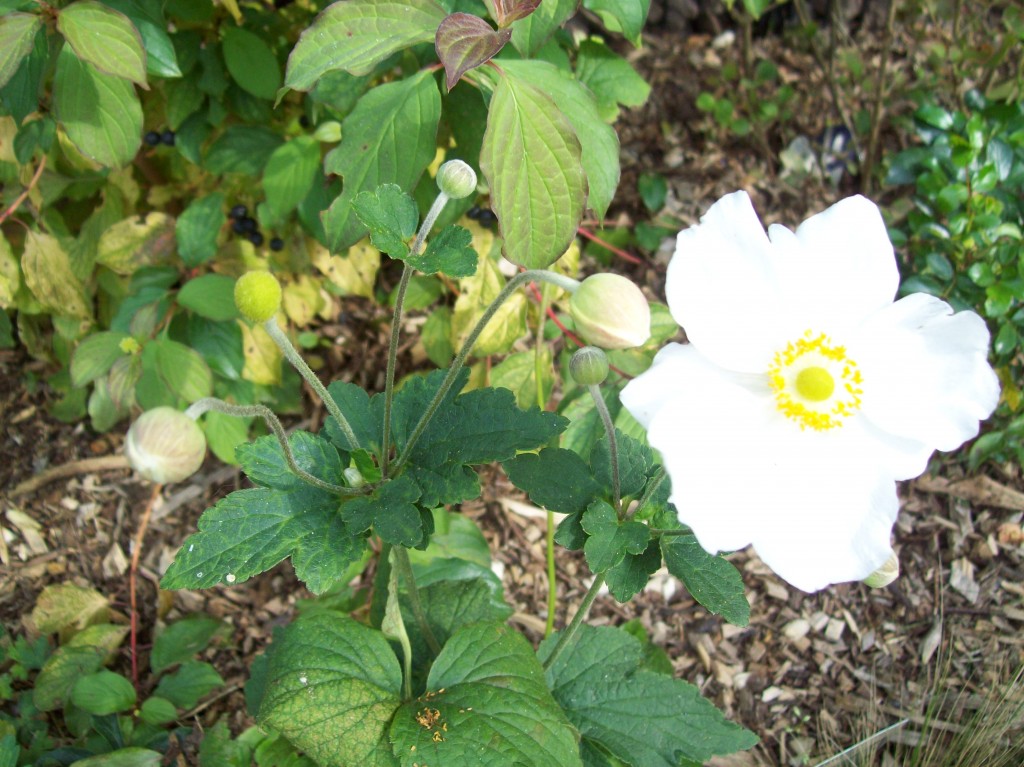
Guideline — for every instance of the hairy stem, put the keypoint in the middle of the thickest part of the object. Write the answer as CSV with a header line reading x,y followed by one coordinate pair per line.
x,y
569,631
613,448
401,560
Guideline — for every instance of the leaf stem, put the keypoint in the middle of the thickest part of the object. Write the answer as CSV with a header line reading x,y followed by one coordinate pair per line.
x,y
652,487
577,620
613,448
401,561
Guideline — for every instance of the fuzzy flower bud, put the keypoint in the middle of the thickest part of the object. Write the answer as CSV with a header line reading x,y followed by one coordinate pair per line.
x,y
589,366
611,312
456,179
257,296
165,445
885,574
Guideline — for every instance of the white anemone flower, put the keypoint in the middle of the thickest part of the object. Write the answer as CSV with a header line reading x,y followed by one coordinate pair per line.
x,y
805,391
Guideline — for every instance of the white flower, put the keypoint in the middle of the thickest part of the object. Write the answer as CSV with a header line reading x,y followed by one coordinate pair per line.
x,y
805,391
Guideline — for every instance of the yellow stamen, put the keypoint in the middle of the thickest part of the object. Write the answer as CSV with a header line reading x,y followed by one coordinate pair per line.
x,y
815,383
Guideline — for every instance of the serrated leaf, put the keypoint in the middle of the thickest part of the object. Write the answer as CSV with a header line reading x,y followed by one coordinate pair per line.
x,y
628,578
610,539
555,478
47,271
449,252
712,580
94,356
625,16
598,141
251,62
532,160
105,38
643,718
185,638
530,33
464,42
391,216
198,228
332,686
103,693
389,138
356,35
135,242
148,18
264,463
288,176
486,688
636,462
506,11
242,149
364,414
192,681
17,33
250,531
391,510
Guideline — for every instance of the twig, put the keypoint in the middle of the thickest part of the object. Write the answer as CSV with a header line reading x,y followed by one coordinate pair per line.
x,y
21,197
83,466
132,571
877,109
608,246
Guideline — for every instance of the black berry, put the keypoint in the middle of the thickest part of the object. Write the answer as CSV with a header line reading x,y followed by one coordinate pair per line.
x,y
277,244
239,211
167,137
248,224
152,138
487,218
255,238
474,212
238,226
304,121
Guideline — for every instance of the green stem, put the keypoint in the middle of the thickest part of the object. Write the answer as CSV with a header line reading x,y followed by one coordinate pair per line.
x,y
292,355
613,448
549,543
577,620
652,487
206,404
396,327
460,359
401,559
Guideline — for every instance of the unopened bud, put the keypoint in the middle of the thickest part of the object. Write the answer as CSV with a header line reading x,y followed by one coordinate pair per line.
x,y
456,179
353,477
589,366
165,445
328,132
611,312
885,574
257,296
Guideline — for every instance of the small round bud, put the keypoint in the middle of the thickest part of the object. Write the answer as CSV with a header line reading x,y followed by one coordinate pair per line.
x,y
589,366
328,132
165,445
456,179
885,574
257,296
611,312
353,477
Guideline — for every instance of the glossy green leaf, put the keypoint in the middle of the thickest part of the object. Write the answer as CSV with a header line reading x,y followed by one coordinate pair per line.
x,y
251,62
182,369
242,149
464,42
219,343
193,680
197,230
356,35
332,687
610,77
532,160
486,694
17,33
100,113
364,415
555,478
20,97
389,138
105,38
289,175
643,718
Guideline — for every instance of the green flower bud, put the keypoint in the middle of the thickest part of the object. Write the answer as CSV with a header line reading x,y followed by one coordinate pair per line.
x,y
353,477
165,445
257,296
610,312
885,574
456,179
328,132
589,366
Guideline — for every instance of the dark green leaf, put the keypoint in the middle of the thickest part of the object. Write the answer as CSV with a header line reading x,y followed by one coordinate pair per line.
x,y
220,344
364,415
625,16
251,62
17,33
610,539
192,681
197,229
93,357
628,578
555,478
570,532
635,464
264,463
390,510
21,95
102,693
185,638
289,175
712,580
449,252
148,18
242,149
391,216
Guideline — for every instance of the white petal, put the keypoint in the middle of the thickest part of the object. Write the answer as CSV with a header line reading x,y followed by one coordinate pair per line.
x,y
722,288
677,370
926,372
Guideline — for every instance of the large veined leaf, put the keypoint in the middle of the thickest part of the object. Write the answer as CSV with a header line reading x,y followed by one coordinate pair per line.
x,y
289,175
148,18
100,113
356,35
105,38
465,41
47,270
532,160
530,33
251,62
17,31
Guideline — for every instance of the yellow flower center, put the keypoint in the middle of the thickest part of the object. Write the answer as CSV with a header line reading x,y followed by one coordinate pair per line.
x,y
815,383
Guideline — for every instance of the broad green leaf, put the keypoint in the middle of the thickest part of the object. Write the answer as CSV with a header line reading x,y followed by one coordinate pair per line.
x,y
530,33
220,344
94,356
712,580
17,33
332,687
356,35
610,539
598,141
102,693
532,160
485,693
250,531
455,537
181,369
198,228
185,638
67,608
585,425
636,464
364,415
625,16
157,711
436,336
242,149
450,252
136,242
100,113
35,134
391,511
389,138
192,681
148,18
85,653
610,77
464,42
20,97
519,372
555,478
264,463
132,756
391,216
105,38
251,62
224,434
47,272
643,718
211,296
628,578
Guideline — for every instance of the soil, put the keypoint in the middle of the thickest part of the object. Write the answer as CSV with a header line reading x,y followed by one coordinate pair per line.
x,y
810,674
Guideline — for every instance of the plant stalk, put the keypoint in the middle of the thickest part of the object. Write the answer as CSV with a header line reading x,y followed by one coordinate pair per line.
x,y
577,620
401,560
613,448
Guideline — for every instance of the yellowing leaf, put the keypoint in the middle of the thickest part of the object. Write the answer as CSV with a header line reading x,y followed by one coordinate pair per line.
x,y
10,274
136,242
262,357
508,323
48,275
67,608
302,300
354,273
